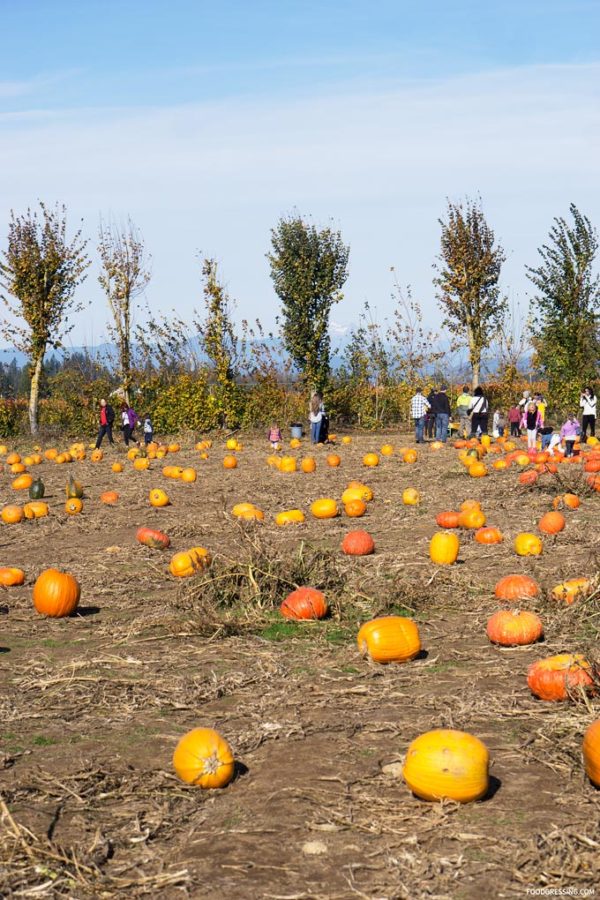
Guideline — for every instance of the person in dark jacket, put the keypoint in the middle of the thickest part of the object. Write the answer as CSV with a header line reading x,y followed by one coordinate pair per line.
x,y
441,410
430,416
107,418
479,411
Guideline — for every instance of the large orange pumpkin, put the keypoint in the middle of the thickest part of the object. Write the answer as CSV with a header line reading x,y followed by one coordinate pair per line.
x,y
552,522
471,517
305,603
230,462
389,639
514,627
333,460
56,594
488,535
35,509
308,464
445,764
203,758
355,508
410,456
591,752
370,460
22,482
290,517
516,587
151,537
358,543
555,677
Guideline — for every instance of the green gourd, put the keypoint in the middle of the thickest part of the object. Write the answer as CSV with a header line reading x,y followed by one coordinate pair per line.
x,y
37,489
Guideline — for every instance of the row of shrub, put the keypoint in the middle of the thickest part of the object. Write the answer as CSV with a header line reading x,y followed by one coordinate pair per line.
x,y
191,402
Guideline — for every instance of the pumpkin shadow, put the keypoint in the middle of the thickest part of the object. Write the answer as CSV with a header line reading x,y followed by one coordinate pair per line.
x,y
239,770
494,786
4,610
4,649
422,654
84,611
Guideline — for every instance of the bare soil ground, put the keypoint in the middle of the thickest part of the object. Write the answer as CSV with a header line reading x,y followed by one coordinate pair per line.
x,y
92,706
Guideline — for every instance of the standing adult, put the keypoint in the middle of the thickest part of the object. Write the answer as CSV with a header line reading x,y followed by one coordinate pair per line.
x,y
430,415
107,417
514,418
129,420
524,400
419,405
479,412
587,402
462,410
316,411
441,408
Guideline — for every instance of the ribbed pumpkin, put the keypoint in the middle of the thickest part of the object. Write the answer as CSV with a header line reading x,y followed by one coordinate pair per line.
x,y
12,514
290,517
333,460
305,603
35,509
571,590
73,506
358,543
552,522
472,517
528,478
158,497
203,758
514,627
56,594
110,498
447,519
591,752
411,497
527,544
447,765
370,460
443,548
308,464
488,535
151,537
188,562
389,639
516,587
324,508
11,577
553,678
37,490
354,509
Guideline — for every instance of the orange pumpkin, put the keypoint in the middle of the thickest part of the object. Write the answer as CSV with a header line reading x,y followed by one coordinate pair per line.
x,y
12,459
571,501
304,603
12,514
527,544
141,463
35,509
290,517
230,462
287,464
528,478
308,464
447,519
333,460
477,470
109,497
354,509
370,460
203,758
472,517
324,508
516,587
73,506
151,537
591,752
411,497
552,522
117,467
188,476
514,627
446,764
488,535
158,498
10,577
443,548
22,483
358,543
97,455
571,590
189,562
410,457
389,639
56,594
556,677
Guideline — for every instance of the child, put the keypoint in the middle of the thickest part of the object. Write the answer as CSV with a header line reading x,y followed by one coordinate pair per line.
x,y
497,424
275,436
148,429
569,433
531,421
514,417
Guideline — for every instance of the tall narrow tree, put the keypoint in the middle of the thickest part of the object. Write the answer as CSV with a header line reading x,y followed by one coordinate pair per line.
x,y
124,275
469,267
566,307
308,268
219,342
40,272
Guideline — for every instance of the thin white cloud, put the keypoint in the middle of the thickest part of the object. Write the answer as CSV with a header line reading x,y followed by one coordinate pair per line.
x,y
381,161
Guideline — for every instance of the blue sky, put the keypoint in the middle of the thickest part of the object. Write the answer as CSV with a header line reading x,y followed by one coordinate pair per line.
x,y
207,121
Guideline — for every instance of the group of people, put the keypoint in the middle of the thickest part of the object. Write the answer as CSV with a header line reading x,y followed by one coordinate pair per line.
x,y
129,422
432,415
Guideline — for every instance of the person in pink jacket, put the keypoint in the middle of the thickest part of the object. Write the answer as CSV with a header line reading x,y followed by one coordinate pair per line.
x,y
569,433
531,421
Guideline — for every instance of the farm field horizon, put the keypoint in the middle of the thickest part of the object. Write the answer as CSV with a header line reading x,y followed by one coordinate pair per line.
x,y
94,704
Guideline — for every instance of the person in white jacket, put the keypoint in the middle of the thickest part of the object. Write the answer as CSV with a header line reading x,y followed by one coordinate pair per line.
x,y
587,402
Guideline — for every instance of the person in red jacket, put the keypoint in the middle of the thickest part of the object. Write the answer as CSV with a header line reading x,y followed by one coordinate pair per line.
x,y
107,417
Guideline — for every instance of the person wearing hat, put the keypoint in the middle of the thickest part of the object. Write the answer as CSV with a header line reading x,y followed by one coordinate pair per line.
x,y
441,407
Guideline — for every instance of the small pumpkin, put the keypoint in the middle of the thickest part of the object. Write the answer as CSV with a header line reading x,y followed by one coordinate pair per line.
x,y
356,508
288,464
527,544
389,639
203,758
364,491
591,752
571,501
35,509
324,508
117,467
37,489
514,627
571,590
11,514
158,498
188,562
12,459
554,677
97,455
477,470
230,462
387,450
447,519
56,594
73,489
516,587
446,764
410,457
552,522
443,548
472,517
529,477
305,603
411,497
295,443
358,543
151,537
141,463
488,535
189,475
290,517
22,482
11,577
308,464
111,498
370,460
333,460
73,506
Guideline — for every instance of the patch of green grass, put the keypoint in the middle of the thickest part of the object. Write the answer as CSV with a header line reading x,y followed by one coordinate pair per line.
x,y
41,741
350,670
280,631
445,666
337,634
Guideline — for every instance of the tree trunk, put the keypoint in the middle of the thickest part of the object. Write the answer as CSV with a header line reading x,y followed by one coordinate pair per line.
x,y
34,393
475,369
474,355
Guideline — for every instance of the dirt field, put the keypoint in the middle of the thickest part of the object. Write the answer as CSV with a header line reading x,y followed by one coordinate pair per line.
x,y
92,706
